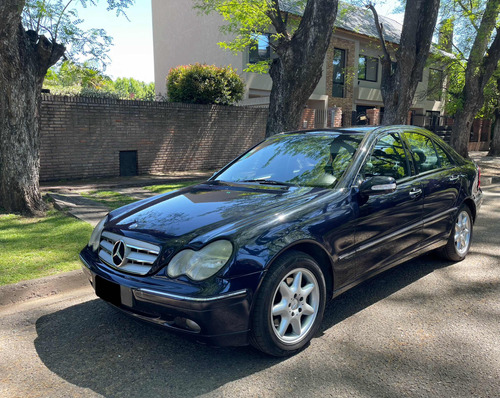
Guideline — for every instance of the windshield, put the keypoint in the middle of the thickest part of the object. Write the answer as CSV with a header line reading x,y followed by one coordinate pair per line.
x,y
296,159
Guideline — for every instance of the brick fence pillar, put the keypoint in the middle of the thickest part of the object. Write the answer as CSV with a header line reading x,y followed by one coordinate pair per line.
x,y
408,118
335,117
308,119
373,116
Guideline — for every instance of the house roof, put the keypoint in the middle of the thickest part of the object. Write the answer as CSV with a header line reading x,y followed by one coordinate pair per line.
x,y
361,21
354,19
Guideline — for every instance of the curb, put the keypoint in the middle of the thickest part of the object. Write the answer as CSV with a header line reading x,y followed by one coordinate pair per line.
x,y
42,287
486,180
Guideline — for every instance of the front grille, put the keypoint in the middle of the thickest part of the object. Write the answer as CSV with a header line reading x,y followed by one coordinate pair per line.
x,y
136,256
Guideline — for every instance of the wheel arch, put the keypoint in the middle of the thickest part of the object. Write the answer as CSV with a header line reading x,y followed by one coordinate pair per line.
x,y
472,206
318,253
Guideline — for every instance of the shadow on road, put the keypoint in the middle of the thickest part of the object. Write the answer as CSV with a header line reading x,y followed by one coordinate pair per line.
x,y
93,346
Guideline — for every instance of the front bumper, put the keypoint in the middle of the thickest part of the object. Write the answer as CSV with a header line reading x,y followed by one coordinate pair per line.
x,y
221,319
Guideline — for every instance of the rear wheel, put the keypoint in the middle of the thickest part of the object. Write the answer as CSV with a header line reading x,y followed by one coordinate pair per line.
x,y
290,305
460,239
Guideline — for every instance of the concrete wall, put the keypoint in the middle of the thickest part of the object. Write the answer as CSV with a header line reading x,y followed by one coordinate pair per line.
x,y
83,137
181,36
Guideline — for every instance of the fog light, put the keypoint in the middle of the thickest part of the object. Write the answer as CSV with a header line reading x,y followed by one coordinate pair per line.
x,y
193,325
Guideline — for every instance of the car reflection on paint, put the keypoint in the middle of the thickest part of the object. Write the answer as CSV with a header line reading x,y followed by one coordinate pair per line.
x,y
253,254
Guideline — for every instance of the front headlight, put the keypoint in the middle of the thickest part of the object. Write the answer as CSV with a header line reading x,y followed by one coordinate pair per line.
x,y
201,264
95,238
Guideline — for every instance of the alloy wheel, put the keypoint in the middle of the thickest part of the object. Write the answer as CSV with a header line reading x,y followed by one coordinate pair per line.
x,y
295,306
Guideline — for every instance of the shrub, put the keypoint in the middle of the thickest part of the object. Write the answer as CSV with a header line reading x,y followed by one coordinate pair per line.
x,y
204,84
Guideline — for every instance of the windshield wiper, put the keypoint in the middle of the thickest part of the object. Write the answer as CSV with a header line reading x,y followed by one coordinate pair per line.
x,y
269,182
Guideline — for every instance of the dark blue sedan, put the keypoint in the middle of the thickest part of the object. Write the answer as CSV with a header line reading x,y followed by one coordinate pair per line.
x,y
253,254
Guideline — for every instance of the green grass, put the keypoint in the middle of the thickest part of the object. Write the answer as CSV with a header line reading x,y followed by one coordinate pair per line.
x,y
36,247
109,198
170,187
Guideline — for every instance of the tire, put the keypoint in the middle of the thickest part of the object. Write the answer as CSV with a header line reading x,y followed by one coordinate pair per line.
x,y
289,306
461,236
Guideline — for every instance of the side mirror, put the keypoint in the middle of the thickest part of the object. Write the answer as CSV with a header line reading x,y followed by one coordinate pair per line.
x,y
377,185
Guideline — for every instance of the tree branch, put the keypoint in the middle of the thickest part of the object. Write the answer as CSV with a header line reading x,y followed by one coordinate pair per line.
x,y
380,31
276,19
469,13
59,20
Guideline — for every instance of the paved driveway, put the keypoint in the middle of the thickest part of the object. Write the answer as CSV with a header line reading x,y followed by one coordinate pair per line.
x,y
423,329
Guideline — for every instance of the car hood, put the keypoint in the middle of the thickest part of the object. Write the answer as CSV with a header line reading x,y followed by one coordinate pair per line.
x,y
202,212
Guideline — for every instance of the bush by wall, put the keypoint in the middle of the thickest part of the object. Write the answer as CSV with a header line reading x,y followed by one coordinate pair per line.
x,y
204,84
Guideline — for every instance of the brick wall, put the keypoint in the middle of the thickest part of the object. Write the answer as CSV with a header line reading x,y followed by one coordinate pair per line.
x,y
82,137
345,103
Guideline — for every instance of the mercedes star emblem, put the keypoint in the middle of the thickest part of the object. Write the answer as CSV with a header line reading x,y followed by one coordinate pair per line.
x,y
118,254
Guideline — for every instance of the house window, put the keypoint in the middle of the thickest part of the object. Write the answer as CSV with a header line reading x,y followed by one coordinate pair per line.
x,y
261,50
435,85
367,68
338,73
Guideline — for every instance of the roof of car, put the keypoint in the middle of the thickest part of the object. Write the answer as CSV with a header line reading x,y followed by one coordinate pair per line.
x,y
341,130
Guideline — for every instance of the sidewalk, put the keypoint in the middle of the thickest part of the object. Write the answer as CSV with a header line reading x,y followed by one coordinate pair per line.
x,y
490,167
114,183
66,195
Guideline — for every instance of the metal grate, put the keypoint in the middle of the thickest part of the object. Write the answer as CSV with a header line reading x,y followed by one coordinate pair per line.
x,y
127,254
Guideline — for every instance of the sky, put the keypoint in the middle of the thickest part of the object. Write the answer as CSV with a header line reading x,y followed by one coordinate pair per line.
x,y
132,52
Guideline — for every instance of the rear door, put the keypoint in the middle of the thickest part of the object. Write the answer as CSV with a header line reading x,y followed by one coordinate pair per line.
x,y
440,181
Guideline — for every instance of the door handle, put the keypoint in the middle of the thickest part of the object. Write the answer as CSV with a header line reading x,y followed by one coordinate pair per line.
x,y
415,193
454,177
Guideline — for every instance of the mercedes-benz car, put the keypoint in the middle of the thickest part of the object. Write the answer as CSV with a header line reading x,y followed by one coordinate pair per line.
x,y
253,254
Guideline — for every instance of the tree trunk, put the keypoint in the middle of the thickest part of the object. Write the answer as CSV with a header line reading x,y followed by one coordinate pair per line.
x,y
481,64
292,85
25,58
495,143
398,86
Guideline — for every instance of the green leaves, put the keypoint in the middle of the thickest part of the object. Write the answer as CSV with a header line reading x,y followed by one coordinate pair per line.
x,y
204,84
59,22
73,79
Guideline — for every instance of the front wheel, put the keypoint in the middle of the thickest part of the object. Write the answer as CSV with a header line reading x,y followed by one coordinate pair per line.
x,y
290,305
460,239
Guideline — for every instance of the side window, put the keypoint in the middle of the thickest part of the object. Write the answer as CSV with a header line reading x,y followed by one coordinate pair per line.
x,y
424,153
388,158
444,158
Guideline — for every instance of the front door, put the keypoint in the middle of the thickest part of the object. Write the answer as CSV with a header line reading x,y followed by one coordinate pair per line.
x,y
390,224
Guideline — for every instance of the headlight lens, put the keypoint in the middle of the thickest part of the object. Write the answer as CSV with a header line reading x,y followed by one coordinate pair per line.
x,y
201,264
95,238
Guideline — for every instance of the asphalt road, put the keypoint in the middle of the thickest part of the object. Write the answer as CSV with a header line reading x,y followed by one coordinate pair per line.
x,y
427,328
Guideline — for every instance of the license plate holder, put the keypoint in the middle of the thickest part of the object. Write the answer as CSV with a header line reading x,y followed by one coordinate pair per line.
x,y
107,290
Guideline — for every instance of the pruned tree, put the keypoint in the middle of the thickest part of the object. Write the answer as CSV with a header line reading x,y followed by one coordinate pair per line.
x,y
482,62
402,72
300,46
30,44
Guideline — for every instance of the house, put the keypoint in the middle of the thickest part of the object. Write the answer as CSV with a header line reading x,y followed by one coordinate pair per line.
x,y
351,72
